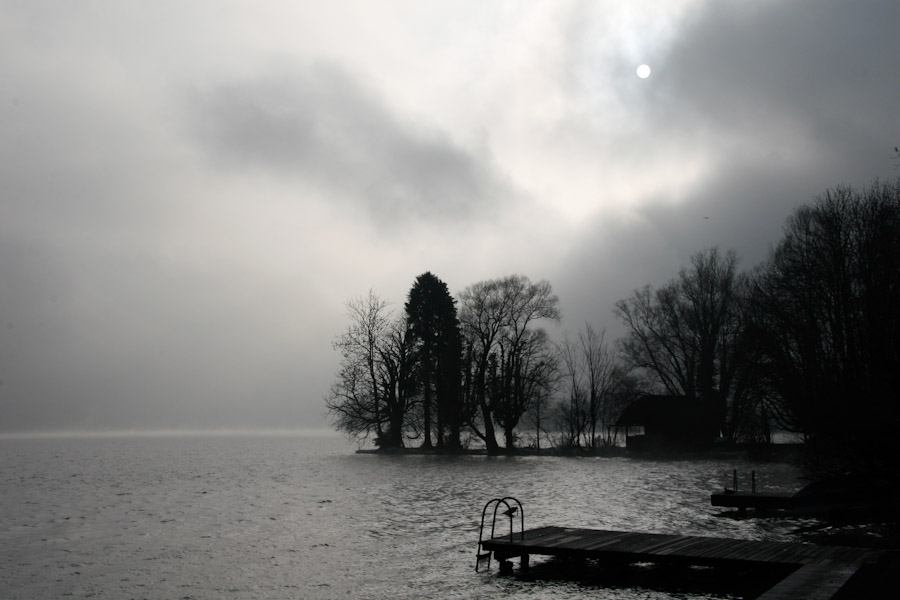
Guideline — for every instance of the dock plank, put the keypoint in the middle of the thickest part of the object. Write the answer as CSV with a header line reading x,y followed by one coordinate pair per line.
x,y
656,545
685,544
818,580
610,539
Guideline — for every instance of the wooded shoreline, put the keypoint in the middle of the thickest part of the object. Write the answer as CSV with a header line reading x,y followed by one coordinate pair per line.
x,y
766,452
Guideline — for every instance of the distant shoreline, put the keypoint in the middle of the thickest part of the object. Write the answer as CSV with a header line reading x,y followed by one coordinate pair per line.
x,y
769,452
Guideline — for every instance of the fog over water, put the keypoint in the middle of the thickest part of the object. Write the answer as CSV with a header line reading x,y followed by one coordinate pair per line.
x,y
241,517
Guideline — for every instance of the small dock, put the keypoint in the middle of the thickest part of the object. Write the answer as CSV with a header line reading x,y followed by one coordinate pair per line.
x,y
754,500
764,501
820,571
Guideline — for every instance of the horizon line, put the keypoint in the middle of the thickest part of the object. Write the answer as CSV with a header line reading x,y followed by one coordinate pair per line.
x,y
172,432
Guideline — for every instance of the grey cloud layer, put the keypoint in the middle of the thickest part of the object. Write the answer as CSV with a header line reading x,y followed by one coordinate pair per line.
x,y
141,288
318,123
746,68
786,99
791,99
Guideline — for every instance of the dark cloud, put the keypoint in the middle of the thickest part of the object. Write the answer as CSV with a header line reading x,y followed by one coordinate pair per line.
x,y
791,99
785,100
319,124
805,68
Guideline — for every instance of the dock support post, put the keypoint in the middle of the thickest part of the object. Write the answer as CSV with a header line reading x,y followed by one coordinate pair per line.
x,y
734,480
523,564
753,482
505,566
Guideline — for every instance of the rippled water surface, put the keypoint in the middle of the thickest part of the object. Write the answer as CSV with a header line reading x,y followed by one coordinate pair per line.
x,y
306,517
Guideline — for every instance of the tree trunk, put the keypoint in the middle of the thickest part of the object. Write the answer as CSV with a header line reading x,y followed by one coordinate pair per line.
x,y
490,437
440,408
426,408
509,437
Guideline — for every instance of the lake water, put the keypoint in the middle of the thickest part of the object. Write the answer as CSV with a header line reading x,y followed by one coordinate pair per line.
x,y
240,517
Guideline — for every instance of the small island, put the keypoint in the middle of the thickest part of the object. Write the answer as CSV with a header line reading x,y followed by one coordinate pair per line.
x,y
715,361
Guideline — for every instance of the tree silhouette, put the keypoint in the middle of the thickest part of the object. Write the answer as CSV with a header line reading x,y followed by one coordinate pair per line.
x,y
597,387
826,310
685,335
483,310
497,317
431,312
373,393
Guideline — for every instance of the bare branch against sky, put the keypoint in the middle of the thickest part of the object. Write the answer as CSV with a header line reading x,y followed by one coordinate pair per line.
x,y
190,191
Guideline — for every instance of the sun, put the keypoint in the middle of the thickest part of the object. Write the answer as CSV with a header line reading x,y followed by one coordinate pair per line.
x,y
643,71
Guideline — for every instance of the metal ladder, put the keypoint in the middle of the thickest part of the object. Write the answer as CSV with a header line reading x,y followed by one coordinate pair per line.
x,y
510,512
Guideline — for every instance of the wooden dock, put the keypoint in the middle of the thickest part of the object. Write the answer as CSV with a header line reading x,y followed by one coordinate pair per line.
x,y
765,501
755,500
820,571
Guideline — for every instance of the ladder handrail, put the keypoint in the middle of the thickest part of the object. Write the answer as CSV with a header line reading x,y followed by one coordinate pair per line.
x,y
510,512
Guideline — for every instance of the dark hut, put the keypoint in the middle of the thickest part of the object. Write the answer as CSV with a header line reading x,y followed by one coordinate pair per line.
x,y
669,423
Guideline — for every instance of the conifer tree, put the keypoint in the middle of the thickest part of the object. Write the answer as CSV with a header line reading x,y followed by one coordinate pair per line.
x,y
431,313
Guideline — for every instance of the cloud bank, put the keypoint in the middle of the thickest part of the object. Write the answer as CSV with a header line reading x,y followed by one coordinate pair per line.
x,y
189,193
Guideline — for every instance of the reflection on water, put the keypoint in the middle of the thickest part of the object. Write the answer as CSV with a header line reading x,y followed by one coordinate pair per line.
x,y
257,517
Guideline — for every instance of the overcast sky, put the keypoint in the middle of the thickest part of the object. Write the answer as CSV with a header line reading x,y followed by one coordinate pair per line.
x,y
191,191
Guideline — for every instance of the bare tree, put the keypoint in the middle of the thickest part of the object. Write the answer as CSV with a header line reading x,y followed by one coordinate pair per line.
x,y
373,393
572,414
541,410
350,401
826,321
601,370
483,313
398,375
497,318
358,345
595,386
685,335
527,370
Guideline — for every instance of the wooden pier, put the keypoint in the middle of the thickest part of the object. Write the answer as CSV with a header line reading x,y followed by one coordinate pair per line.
x,y
819,571
755,500
765,501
